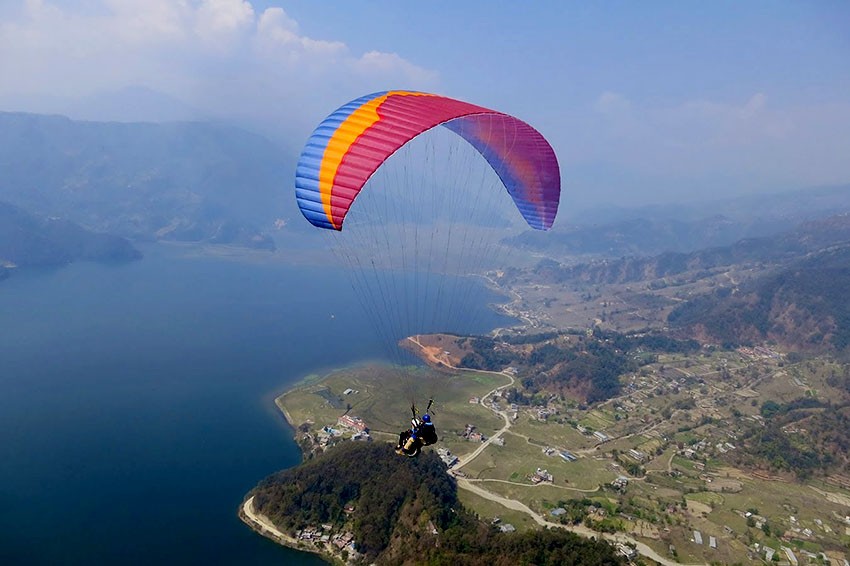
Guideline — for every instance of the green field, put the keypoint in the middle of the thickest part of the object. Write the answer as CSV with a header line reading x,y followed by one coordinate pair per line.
x,y
664,507
383,398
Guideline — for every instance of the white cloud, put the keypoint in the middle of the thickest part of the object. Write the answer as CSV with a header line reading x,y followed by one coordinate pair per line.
x,y
218,55
279,37
385,64
221,20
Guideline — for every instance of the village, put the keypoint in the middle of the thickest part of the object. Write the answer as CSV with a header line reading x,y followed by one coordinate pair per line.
x,y
653,462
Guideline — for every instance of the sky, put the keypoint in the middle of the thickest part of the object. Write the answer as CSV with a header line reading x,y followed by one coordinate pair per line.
x,y
643,102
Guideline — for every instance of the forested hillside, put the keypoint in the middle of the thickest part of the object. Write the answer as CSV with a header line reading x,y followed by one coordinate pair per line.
x,y
175,181
29,240
805,306
394,502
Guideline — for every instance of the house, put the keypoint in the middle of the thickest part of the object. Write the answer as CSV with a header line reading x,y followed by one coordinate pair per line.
x,y
601,436
557,512
568,456
712,542
637,455
447,457
540,476
352,422
626,550
507,528
790,554
697,537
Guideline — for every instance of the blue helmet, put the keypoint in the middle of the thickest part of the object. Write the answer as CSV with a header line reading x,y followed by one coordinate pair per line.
x,y
426,418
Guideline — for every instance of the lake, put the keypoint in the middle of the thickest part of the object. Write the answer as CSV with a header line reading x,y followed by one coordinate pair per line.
x,y
136,401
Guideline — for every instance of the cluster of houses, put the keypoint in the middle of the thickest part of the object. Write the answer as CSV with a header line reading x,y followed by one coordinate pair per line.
x,y
472,435
759,353
343,424
343,540
314,535
540,475
356,424
693,452
771,555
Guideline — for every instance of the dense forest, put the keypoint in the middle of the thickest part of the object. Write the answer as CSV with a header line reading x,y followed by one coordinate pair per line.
x,y
392,500
589,366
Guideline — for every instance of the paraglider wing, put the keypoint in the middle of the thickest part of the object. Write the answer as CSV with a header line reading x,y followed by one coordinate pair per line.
x,y
351,143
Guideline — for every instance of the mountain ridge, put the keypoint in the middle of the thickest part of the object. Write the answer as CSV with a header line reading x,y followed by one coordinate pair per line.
x,y
28,240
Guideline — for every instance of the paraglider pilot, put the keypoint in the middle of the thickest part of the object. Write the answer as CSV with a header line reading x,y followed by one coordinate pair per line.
x,y
422,433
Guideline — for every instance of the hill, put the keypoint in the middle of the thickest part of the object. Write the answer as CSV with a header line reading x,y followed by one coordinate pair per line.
x,y
28,240
803,306
808,237
683,228
182,181
405,511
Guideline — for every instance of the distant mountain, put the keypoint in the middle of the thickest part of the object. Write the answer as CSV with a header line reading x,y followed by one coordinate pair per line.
x,y
130,104
805,238
791,206
406,511
805,306
652,230
174,181
28,240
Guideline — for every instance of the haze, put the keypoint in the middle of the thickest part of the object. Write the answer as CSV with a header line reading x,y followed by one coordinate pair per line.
x,y
643,103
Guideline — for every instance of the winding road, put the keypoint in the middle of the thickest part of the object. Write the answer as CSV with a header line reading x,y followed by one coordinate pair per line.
x,y
469,485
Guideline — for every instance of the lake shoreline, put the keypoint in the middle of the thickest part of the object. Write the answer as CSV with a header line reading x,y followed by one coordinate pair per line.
x,y
261,525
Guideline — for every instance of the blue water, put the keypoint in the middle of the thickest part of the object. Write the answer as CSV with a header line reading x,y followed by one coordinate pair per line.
x,y
136,402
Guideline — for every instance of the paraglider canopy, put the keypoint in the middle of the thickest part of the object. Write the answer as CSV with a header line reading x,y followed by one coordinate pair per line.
x,y
351,143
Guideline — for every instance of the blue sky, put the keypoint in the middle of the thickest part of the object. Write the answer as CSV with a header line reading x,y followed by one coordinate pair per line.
x,y
643,101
